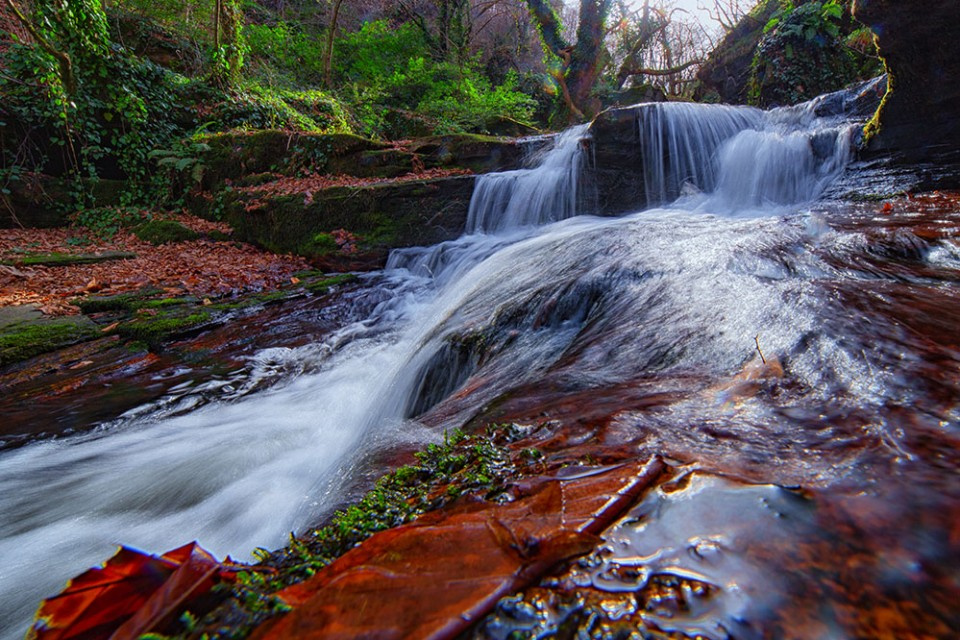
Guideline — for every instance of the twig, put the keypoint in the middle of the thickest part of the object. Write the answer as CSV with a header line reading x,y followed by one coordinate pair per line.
x,y
757,340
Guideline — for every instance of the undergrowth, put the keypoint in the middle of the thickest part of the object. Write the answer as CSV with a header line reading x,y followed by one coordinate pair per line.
x,y
479,465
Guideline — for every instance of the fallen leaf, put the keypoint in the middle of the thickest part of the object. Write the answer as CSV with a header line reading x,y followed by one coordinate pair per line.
x,y
131,594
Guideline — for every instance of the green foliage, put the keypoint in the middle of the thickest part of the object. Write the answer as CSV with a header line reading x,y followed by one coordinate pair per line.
x,y
283,54
803,54
119,109
813,21
254,107
184,157
385,70
105,222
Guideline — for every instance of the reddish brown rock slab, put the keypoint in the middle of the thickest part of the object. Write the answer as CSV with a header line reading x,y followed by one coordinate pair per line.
x,y
435,577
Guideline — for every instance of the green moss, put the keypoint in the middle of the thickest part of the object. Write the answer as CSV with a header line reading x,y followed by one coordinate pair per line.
x,y
320,244
163,231
156,329
252,301
219,236
64,259
25,340
326,284
122,302
874,125
165,302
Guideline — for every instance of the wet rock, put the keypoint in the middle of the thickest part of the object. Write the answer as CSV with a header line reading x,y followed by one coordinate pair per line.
x,y
921,52
617,161
353,228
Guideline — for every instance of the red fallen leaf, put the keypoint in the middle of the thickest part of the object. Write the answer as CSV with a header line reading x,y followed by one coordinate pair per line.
x,y
110,327
93,286
131,594
437,576
887,207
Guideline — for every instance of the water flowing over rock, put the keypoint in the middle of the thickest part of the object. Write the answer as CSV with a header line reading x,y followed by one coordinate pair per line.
x,y
652,154
627,337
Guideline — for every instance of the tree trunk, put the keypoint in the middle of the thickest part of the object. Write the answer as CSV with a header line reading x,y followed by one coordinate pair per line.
x,y
582,62
227,23
328,56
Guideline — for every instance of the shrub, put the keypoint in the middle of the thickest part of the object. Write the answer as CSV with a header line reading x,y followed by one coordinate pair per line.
x,y
802,54
384,71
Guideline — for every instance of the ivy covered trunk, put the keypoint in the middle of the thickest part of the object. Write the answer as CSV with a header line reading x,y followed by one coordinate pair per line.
x,y
588,56
227,42
580,63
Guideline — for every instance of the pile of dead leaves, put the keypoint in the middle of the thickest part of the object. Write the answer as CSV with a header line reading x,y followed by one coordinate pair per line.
x,y
205,268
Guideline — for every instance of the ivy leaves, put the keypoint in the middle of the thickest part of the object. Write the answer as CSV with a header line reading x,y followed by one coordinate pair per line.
x,y
809,22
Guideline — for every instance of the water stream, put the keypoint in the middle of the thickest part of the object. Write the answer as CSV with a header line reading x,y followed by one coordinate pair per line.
x,y
668,299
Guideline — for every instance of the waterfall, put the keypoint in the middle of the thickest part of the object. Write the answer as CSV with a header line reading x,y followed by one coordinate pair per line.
x,y
679,143
536,196
585,300
741,157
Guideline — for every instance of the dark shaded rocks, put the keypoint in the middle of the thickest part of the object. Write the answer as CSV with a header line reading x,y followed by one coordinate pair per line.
x,y
616,168
920,46
354,227
41,201
726,73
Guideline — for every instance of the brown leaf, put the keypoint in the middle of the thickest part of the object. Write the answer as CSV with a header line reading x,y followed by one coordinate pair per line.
x,y
130,595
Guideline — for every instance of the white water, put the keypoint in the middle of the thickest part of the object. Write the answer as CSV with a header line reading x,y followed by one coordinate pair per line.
x,y
531,197
741,158
244,473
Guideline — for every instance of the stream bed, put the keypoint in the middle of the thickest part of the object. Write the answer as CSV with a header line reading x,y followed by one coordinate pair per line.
x,y
797,358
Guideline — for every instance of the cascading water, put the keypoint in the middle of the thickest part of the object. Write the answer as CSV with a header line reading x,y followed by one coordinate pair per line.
x,y
673,299
529,197
742,158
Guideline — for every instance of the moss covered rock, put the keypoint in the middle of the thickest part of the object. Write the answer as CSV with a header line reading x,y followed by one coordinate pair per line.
x,y
25,332
237,154
353,228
